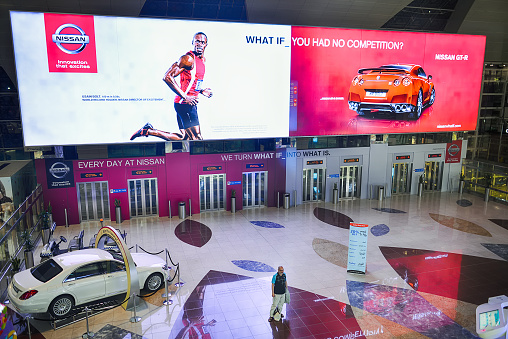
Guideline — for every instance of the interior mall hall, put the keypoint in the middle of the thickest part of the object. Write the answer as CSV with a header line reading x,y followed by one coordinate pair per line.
x,y
214,169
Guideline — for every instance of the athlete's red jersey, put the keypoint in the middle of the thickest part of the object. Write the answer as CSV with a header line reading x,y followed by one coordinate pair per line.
x,y
191,81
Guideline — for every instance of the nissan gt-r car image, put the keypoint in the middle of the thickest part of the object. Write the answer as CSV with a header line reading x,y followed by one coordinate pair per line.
x,y
402,89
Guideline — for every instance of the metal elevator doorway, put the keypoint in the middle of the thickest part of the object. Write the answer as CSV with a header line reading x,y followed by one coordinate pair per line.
x,y
212,190
433,176
254,187
314,184
93,200
350,182
401,178
143,198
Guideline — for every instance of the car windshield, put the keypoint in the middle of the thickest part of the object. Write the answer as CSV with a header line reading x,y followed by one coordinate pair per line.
x,y
46,270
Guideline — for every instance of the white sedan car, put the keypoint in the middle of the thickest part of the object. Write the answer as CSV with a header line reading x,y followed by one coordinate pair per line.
x,y
79,277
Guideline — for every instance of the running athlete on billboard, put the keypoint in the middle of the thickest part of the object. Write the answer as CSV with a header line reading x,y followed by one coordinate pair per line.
x,y
191,69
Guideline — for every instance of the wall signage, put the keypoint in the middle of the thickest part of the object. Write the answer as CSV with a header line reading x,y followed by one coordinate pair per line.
x,y
357,253
212,168
91,175
255,166
59,173
351,160
234,183
434,155
334,176
119,190
453,151
142,172
419,170
315,162
403,157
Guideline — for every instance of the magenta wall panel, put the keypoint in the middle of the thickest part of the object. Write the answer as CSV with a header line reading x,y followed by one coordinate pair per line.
x,y
177,178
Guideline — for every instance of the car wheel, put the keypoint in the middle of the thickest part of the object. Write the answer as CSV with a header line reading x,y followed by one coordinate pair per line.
x,y
432,96
154,282
417,111
61,306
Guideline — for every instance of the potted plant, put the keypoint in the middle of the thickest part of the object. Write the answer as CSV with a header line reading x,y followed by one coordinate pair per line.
x,y
29,246
118,211
15,265
233,201
45,226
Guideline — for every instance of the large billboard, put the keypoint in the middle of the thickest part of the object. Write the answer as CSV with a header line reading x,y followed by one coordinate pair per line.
x,y
347,81
100,80
86,79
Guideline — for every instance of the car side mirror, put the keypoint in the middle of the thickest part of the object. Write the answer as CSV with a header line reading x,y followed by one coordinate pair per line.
x,y
430,77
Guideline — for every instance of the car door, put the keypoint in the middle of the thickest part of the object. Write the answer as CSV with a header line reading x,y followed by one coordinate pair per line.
x,y
116,278
86,283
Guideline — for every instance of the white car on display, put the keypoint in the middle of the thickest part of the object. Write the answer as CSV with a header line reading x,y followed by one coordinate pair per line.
x,y
80,277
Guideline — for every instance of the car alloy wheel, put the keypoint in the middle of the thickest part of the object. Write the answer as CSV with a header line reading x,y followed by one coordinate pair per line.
x,y
432,97
153,282
419,104
61,306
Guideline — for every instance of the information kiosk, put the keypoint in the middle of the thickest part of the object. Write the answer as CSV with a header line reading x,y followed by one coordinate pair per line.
x,y
492,318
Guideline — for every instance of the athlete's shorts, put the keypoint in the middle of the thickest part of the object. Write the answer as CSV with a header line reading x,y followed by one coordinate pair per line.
x,y
187,115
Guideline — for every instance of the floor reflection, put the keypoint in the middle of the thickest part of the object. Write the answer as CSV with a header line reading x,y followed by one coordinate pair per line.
x,y
225,305
406,308
458,276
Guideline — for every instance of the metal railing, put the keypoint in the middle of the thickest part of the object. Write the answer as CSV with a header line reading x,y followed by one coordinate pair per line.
x,y
24,218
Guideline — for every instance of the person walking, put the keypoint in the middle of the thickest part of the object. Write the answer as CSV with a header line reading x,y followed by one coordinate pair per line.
x,y
279,287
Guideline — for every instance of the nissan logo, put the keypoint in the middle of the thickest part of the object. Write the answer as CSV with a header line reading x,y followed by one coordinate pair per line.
x,y
79,39
453,149
59,170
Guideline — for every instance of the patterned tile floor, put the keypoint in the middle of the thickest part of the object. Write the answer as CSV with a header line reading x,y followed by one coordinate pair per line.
x,y
424,277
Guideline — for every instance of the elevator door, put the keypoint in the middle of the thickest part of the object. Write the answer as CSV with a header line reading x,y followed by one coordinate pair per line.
x,y
313,184
401,178
254,188
433,175
350,181
212,190
143,197
93,200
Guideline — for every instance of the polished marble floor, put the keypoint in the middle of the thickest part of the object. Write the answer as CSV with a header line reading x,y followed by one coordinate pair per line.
x,y
430,262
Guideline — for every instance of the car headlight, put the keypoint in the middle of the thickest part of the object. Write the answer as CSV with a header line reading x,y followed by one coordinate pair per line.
x,y
360,82
355,81
396,82
406,82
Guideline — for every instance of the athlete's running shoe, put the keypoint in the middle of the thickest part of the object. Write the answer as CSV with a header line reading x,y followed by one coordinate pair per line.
x,y
142,132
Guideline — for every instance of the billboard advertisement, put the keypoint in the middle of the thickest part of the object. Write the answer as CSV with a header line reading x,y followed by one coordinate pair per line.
x,y
86,79
347,81
101,80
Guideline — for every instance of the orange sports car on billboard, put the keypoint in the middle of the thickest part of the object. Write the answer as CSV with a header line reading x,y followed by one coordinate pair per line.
x,y
402,89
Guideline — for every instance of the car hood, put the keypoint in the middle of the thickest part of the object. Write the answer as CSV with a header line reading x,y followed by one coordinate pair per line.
x,y
24,280
147,260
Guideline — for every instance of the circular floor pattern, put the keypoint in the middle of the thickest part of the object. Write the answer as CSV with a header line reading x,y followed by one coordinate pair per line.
x,y
333,218
253,266
379,230
267,224
193,232
464,203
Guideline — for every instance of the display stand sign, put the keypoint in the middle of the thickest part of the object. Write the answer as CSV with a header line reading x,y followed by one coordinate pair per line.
x,y
357,253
